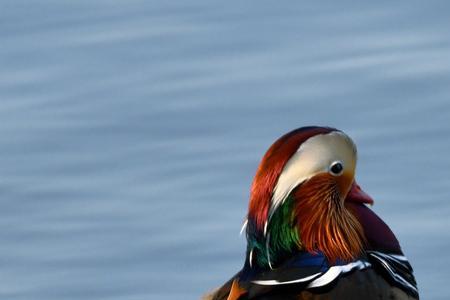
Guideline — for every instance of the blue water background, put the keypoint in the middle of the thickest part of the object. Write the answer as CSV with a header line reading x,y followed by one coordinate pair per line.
x,y
130,132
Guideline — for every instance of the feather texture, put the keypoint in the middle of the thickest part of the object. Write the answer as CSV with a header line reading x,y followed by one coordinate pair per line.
x,y
323,222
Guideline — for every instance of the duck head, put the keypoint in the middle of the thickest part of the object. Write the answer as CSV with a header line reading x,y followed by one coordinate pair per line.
x,y
299,196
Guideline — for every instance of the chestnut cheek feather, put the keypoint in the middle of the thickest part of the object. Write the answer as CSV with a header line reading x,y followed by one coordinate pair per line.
x,y
323,222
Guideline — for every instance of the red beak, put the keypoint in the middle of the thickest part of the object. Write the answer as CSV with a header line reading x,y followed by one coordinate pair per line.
x,y
356,194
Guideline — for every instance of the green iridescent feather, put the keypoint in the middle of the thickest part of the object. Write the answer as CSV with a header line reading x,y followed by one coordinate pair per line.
x,y
283,237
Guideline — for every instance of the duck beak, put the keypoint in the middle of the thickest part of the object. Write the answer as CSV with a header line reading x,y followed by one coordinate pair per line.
x,y
356,194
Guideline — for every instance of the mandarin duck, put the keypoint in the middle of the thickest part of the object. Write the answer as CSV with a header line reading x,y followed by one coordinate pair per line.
x,y
310,233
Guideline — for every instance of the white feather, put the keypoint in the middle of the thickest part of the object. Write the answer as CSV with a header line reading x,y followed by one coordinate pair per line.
x,y
243,226
335,271
320,279
268,251
276,282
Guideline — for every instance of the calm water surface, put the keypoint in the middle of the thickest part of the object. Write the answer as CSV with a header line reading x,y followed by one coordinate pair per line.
x,y
130,132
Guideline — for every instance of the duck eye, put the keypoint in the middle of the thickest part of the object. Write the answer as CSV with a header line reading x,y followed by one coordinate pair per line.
x,y
336,168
